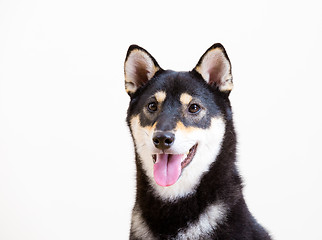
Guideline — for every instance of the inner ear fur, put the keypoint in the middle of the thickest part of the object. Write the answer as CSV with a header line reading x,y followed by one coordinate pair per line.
x,y
215,68
139,68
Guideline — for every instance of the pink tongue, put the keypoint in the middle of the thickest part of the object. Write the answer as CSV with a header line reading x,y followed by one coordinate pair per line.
x,y
167,169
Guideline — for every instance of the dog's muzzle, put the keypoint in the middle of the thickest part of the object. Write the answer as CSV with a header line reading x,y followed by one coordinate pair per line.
x,y
168,166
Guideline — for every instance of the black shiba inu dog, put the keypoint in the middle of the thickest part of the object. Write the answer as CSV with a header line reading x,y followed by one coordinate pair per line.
x,y
188,186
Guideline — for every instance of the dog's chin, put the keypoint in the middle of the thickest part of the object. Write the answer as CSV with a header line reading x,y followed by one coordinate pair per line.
x,y
168,167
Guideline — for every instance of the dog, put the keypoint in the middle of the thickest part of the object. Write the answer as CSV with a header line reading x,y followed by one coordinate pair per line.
x,y
187,183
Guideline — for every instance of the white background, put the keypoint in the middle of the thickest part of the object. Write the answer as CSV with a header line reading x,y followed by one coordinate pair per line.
x,y
66,158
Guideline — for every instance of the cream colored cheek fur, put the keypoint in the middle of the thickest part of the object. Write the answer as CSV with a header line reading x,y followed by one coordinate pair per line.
x,y
209,144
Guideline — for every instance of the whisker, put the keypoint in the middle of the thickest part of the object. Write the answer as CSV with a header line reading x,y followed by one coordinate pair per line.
x,y
146,132
141,146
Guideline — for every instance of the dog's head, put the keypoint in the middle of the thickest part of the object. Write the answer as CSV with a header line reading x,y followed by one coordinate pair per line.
x,y
177,119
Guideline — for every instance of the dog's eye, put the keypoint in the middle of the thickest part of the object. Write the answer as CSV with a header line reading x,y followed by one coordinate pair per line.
x,y
194,108
152,106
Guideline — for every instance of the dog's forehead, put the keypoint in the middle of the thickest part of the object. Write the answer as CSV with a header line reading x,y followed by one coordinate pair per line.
x,y
179,86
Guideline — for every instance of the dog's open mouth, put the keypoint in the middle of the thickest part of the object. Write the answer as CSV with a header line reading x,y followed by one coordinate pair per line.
x,y
168,167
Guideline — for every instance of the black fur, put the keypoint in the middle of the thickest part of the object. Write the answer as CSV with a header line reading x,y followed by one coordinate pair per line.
x,y
221,183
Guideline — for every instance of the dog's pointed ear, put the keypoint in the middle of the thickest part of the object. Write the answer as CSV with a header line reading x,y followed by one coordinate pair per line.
x,y
139,68
215,68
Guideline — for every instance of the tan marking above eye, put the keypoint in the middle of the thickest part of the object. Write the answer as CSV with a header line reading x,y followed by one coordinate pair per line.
x,y
185,98
160,96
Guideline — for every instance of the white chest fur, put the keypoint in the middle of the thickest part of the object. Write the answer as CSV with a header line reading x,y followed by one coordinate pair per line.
x,y
206,223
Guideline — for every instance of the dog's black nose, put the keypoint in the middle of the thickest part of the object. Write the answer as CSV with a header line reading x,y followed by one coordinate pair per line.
x,y
163,140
